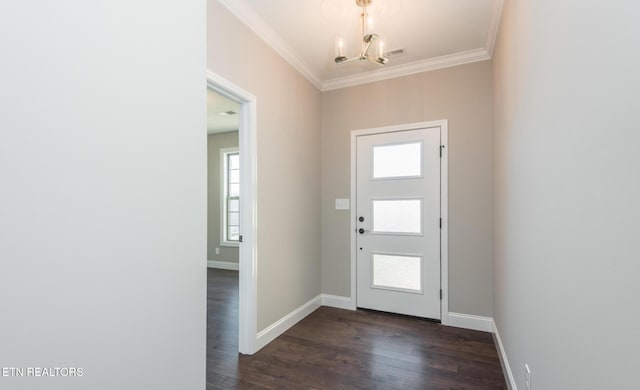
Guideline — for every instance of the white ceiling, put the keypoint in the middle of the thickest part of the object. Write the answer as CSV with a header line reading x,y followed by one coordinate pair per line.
x,y
217,123
434,33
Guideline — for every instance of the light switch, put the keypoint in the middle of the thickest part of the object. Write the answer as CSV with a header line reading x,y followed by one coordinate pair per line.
x,y
342,204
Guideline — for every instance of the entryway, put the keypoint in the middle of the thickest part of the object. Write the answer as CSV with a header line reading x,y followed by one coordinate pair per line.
x,y
399,218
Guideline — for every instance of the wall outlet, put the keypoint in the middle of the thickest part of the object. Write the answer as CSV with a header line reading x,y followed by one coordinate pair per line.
x,y
527,377
217,251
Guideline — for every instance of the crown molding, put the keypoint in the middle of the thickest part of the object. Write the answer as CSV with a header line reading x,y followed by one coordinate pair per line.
x,y
407,69
494,26
252,20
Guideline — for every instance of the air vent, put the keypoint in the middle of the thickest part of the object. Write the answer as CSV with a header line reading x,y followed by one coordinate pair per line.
x,y
396,53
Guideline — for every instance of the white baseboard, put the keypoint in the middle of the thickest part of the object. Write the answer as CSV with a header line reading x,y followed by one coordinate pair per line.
x,y
511,382
223,265
337,302
274,330
468,321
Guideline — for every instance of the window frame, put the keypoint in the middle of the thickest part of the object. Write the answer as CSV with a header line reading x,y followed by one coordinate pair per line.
x,y
225,198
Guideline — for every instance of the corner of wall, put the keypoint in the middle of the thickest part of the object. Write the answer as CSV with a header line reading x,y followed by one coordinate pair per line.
x,y
504,361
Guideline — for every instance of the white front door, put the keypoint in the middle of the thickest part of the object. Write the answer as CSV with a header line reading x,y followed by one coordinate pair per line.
x,y
398,222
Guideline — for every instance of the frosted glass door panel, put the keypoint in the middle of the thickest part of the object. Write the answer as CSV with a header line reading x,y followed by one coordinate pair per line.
x,y
404,160
397,216
397,272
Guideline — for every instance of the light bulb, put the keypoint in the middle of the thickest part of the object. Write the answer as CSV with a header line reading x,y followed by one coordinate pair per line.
x,y
340,48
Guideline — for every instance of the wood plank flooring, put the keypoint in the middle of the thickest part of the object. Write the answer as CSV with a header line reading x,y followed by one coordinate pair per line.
x,y
341,349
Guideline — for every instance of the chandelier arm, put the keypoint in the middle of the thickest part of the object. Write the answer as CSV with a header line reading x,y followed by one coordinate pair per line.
x,y
350,60
377,61
344,60
368,40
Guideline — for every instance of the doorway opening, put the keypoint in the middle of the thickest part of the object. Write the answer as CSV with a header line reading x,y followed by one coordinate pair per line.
x,y
237,203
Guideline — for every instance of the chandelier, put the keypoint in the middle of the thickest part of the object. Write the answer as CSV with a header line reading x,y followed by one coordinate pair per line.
x,y
368,40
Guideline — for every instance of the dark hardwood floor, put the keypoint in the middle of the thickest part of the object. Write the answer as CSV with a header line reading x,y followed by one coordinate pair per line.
x,y
341,349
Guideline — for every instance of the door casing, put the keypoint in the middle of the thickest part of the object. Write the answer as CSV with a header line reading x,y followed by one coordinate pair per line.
x,y
248,262
444,207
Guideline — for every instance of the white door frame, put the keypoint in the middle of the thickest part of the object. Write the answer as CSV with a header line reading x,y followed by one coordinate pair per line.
x,y
444,207
247,332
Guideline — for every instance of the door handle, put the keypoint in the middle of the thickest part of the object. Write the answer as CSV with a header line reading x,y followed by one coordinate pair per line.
x,y
362,231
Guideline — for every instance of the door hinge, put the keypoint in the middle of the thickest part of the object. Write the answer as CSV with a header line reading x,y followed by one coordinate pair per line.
x,y
440,294
441,147
440,223
240,238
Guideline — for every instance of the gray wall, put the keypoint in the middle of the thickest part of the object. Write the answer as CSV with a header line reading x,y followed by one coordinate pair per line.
x,y
567,190
288,159
215,142
463,95
103,194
